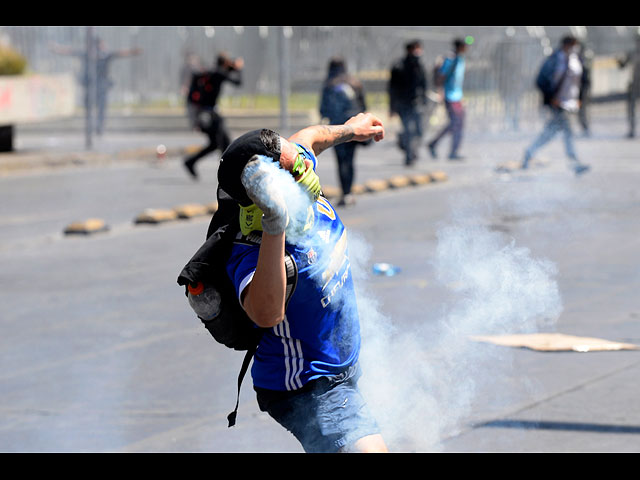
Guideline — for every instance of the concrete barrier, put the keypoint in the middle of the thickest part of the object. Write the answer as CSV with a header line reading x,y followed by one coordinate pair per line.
x,y
399,181
438,176
86,227
358,189
191,210
156,215
331,192
420,178
373,186
33,98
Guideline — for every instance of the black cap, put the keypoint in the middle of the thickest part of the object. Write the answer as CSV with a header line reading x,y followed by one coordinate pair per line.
x,y
257,142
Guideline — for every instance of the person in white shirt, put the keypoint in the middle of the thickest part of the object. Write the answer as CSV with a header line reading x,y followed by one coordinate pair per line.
x,y
568,80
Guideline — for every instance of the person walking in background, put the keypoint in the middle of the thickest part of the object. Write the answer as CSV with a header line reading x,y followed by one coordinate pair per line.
x,y
103,81
451,77
511,78
407,97
192,66
560,80
342,98
586,57
633,92
203,97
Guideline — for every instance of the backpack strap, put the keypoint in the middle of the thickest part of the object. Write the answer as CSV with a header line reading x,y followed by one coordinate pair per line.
x,y
558,85
452,70
243,370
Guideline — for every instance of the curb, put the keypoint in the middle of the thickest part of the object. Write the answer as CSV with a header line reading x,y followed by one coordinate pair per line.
x,y
393,183
155,216
17,162
181,212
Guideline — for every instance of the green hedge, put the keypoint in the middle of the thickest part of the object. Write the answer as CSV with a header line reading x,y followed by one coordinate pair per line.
x,y
11,62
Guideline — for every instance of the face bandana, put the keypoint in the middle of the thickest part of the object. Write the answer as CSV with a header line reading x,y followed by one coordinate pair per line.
x,y
309,178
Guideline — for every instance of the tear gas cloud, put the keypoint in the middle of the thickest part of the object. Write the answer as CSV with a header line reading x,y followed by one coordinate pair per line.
x,y
422,381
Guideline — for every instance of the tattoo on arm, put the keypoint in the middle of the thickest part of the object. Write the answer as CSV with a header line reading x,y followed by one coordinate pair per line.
x,y
330,135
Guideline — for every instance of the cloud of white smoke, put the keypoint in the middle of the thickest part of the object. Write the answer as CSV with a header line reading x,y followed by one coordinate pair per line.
x,y
276,188
422,382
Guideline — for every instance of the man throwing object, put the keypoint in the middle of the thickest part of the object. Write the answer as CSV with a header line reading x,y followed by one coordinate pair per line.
x,y
305,369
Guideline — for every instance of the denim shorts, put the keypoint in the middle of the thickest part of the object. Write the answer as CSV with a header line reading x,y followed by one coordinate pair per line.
x,y
326,415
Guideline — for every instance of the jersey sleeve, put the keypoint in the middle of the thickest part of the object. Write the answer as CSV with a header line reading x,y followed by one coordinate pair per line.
x,y
242,265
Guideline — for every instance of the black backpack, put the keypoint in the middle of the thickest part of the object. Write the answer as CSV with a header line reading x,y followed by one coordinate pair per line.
x,y
397,83
544,79
231,327
203,91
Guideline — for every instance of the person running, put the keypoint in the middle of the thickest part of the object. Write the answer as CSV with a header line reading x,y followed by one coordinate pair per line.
x,y
203,98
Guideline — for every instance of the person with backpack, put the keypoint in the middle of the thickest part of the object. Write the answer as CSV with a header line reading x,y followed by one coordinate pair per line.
x,y
560,79
282,248
451,78
342,98
407,90
192,66
632,60
204,92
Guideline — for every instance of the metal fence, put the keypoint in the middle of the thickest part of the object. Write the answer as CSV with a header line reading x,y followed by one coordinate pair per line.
x,y
501,63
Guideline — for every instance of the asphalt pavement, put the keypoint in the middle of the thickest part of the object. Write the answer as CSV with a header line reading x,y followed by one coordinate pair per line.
x,y
100,352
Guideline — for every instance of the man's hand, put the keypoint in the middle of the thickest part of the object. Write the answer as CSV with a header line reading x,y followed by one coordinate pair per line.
x,y
366,126
255,179
360,128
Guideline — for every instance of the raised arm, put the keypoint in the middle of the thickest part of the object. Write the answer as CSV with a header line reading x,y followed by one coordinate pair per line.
x,y
130,52
264,297
362,127
64,50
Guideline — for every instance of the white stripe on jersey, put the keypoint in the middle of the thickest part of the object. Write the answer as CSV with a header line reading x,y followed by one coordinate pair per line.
x,y
296,378
293,358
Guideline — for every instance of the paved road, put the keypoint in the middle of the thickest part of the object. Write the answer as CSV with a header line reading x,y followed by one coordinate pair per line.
x,y
100,352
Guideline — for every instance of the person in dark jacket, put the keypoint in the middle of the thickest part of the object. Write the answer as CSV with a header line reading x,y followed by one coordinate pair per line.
x,y
633,93
342,98
407,98
204,92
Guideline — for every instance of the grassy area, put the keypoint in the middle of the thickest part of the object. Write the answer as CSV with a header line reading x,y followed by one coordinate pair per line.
x,y
297,102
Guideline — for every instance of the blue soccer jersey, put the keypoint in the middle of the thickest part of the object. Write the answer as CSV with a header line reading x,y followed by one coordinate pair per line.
x,y
320,334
